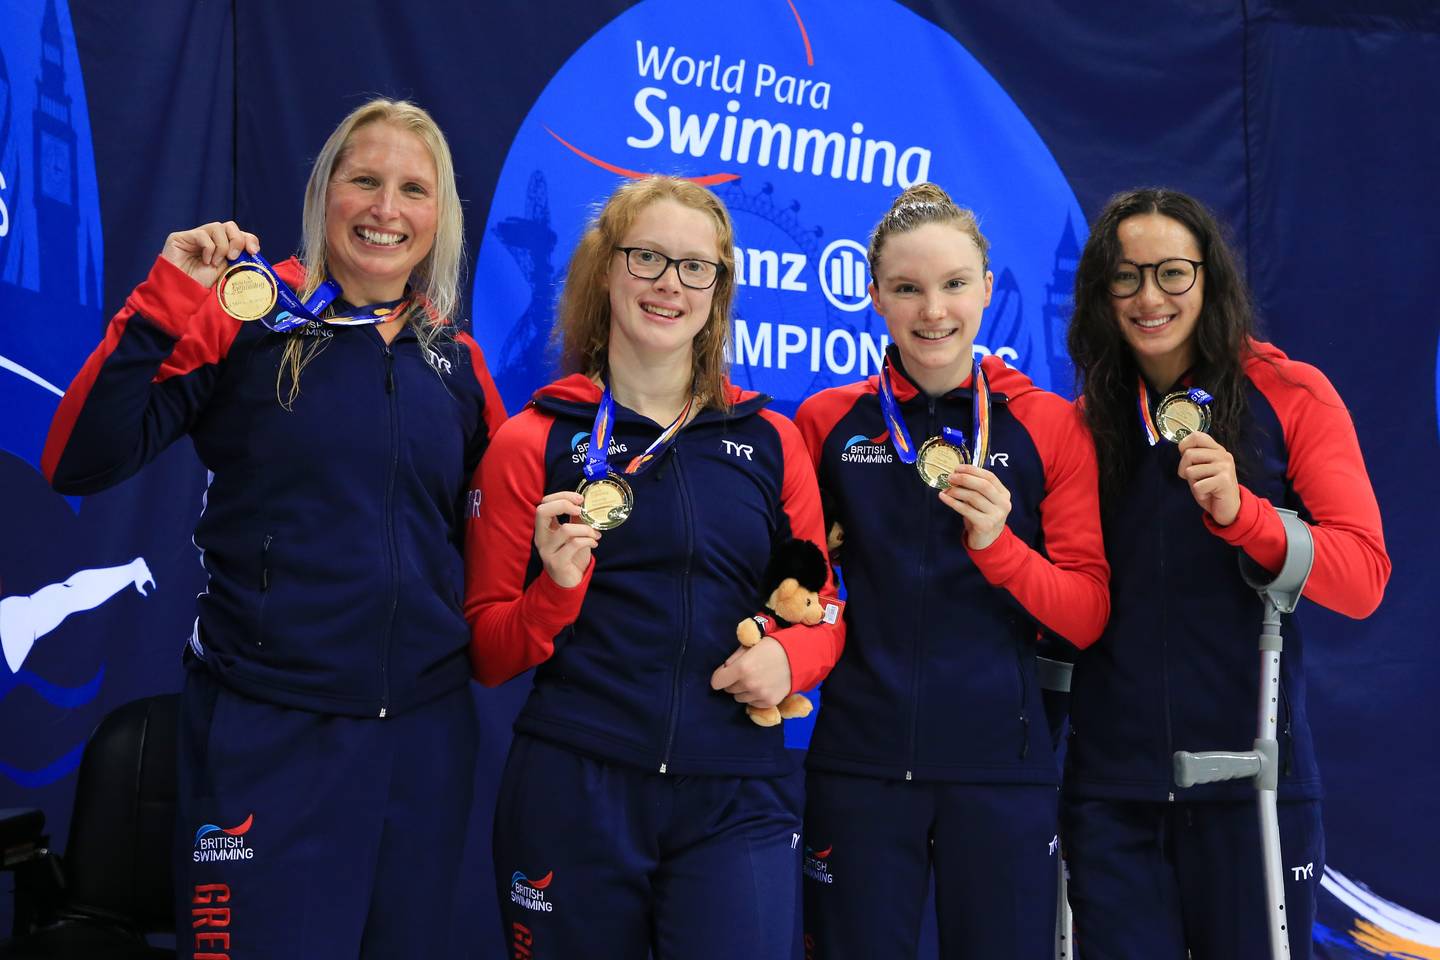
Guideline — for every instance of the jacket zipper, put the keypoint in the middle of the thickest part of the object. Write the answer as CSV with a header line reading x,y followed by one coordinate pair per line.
x,y
1287,768
684,607
1024,696
390,392
913,753
264,588
1165,647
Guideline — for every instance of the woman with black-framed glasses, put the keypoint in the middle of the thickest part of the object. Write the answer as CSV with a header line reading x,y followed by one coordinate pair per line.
x,y
641,810
1202,431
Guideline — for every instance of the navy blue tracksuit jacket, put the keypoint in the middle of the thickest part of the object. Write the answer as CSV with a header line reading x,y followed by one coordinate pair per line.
x,y
625,658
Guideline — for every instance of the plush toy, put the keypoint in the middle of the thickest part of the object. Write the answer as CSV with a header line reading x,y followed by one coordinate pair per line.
x,y
794,577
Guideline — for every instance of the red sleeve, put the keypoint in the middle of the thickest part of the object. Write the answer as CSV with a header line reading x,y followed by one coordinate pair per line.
x,y
512,624
492,409
812,650
818,415
169,327
1327,472
1069,593
494,406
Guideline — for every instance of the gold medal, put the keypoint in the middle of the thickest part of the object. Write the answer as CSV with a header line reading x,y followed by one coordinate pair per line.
x,y
937,459
1178,416
608,501
246,292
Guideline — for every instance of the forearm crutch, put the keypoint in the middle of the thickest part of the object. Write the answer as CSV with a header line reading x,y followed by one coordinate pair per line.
x,y
1261,765
1054,676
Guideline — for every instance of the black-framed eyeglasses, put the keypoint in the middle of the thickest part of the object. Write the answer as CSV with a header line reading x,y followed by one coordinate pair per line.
x,y
1174,276
645,264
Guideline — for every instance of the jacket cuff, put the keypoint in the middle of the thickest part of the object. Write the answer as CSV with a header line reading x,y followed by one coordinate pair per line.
x,y
556,607
168,298
1002,559
1256,529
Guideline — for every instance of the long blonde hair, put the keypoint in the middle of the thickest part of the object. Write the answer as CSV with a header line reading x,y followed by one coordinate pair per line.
x,y
435,279
583,318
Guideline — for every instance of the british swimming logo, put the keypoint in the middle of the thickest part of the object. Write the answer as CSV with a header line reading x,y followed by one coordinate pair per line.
x,y
863,449
816,866
580,445
214,842
530,894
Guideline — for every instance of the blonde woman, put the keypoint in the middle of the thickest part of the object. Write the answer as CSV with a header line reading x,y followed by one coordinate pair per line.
x,y
327,735
641,811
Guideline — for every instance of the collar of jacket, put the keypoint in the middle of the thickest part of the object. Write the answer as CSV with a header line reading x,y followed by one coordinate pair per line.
x,y
579,396
1001,378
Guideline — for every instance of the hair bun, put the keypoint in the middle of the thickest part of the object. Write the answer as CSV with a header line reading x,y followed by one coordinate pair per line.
x,y
923,192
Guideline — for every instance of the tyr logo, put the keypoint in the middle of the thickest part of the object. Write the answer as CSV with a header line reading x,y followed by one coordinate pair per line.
x,y
739,449
1304,873
441,364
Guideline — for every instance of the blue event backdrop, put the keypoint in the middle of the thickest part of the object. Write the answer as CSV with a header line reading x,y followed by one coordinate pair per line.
x,y
1288,117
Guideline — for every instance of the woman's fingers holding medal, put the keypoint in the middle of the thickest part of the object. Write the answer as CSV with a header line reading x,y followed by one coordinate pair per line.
x,y
982,500
205,251
563,542
1209,469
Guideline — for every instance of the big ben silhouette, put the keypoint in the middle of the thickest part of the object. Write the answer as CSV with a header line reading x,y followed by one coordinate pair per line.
x,y
1059,304
56,196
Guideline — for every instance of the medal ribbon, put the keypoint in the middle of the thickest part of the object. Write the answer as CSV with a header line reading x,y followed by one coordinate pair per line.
x,y
1147,419
980,392
597,458
900,436
294,314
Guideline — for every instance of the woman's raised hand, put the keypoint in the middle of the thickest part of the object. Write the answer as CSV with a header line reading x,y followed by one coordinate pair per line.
x,y
563,542
205,251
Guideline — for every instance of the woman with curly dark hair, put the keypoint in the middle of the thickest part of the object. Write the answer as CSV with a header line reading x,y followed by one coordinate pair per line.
x,y
1202,431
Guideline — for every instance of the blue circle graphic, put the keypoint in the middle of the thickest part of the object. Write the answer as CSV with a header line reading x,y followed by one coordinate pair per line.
x,y
796,115
51,255
51,261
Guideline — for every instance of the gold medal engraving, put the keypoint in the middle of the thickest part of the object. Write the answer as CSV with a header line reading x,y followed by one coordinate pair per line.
x,y
608,502
1178,416
938,459
246,292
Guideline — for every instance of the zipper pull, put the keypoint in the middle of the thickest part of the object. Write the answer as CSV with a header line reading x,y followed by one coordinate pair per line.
x,y
389,372
265,563
1024,735
1289,768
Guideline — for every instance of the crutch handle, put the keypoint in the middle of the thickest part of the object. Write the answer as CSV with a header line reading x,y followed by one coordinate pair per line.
x,y
1214,765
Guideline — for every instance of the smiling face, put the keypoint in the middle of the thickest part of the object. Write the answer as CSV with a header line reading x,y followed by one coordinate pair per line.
x,y
657,320
1159,326
932,290
380,212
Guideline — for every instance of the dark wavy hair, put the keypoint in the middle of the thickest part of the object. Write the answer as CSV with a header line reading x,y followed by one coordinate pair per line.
x,y
1105,369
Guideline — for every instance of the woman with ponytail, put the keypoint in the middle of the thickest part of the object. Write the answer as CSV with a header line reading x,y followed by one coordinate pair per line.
x,y
966,497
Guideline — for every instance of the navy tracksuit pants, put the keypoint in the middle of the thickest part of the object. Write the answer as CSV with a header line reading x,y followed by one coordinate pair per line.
x,y
604,860
1149,881
310,835
870,845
